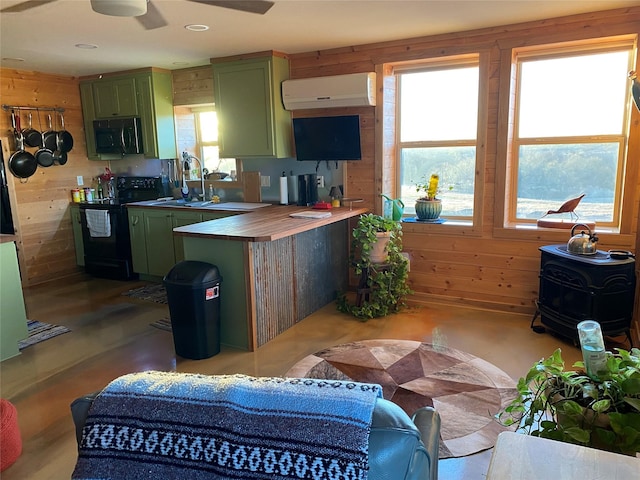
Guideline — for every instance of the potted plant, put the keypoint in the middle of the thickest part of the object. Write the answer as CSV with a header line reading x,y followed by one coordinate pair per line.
x,y
570,406
428,207
383,275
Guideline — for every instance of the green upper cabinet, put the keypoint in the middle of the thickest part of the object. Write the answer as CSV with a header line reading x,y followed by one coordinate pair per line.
x,y
88,116
155,103
252,120
146,93
115,97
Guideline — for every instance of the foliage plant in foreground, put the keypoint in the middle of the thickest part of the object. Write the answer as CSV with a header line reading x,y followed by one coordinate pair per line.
x,y
570,406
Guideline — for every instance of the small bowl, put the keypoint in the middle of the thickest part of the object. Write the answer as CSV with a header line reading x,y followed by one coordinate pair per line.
x,y
216,176
620,254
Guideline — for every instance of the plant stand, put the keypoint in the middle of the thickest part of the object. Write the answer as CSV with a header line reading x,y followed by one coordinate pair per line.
x,y
363,289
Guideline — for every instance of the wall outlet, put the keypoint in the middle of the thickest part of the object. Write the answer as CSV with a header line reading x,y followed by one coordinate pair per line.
x,y
320,181
265,181
80,180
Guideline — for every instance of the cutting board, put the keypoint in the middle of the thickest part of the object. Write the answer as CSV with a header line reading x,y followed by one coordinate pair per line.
x,y
310,214
251,187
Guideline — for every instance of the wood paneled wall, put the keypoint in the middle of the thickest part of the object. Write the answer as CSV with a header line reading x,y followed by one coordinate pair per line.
x,y
485,265
41,208
193,86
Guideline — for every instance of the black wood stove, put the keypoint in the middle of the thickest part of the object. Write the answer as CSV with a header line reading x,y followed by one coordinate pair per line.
x,y
576,287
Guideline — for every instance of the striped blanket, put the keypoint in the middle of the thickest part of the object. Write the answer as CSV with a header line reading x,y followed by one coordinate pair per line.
x,y
159,425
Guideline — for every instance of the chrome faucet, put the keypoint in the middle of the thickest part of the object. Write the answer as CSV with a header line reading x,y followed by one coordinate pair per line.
x,y
186,157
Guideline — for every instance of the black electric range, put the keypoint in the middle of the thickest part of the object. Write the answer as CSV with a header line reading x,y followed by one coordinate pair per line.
x,y
107,247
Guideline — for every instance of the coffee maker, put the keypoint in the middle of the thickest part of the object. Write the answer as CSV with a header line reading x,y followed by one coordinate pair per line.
x,y
307,189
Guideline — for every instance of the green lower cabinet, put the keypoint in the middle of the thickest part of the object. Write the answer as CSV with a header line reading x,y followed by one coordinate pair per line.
x,y
154,248
13,317
76,226
181,219
138,240
158,230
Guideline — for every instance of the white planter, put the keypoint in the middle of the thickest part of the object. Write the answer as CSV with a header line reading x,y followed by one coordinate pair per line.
x,y
379,252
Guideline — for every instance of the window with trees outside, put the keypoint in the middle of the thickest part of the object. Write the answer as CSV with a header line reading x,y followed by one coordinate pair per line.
x,y
206,121
570,129
437,115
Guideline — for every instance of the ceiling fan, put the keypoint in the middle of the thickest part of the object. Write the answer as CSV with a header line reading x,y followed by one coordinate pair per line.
x,y
145,11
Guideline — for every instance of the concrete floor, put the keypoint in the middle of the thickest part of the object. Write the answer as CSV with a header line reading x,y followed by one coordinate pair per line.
x,y
111,336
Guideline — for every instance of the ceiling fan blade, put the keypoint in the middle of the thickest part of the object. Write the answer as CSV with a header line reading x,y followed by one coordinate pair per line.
x,y
252,6
152,19
21,7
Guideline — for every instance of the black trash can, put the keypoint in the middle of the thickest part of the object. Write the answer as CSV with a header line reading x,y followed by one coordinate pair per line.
x,y
193,292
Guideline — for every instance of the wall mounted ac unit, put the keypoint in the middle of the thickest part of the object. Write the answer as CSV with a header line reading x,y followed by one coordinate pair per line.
x,y
352,90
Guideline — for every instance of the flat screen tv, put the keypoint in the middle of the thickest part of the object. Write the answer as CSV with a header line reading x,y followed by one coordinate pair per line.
x,y
327,138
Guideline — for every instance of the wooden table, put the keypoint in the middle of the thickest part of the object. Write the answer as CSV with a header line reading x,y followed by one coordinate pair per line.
x,y
523,457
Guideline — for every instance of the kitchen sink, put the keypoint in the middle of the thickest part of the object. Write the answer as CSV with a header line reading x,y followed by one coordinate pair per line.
x,y
209,205
179,203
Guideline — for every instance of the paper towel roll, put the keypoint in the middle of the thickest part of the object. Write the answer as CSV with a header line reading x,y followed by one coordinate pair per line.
x,y
284,194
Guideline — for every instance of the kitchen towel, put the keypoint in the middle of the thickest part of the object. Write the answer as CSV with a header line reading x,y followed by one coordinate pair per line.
x,y
99,223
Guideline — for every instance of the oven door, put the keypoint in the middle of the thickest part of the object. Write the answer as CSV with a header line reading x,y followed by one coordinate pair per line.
x,y
107,248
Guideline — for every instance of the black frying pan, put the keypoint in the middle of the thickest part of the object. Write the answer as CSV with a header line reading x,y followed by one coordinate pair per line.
x,y
50,137
31,136
44,155
64,140
22,164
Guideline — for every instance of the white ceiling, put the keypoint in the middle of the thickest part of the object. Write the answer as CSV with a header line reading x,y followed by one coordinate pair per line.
x,y
44,37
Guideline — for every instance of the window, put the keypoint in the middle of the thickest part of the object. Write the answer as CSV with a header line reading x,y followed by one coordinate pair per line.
x,y
437,112
206,121
570,128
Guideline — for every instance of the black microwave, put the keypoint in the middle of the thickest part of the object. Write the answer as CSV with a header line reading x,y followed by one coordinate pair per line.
x,y
122,136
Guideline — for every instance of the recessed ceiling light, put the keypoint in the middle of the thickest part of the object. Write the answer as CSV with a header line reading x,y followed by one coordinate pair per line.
x,y
86,46
12,59
196,28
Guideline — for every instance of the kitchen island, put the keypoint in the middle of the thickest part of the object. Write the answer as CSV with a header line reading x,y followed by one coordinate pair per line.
x,y
276,270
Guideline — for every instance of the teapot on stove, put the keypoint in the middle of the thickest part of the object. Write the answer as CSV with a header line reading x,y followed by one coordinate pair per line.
x,y
582,244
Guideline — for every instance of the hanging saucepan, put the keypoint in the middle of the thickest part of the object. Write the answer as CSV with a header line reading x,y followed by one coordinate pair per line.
x,y
60,157
22,164
31,136
64,138
44,155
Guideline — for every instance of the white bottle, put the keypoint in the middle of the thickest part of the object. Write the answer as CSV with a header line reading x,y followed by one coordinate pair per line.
x,y
592,345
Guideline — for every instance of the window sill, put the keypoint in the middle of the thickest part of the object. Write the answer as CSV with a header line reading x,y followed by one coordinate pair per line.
x,y
606,235
447,227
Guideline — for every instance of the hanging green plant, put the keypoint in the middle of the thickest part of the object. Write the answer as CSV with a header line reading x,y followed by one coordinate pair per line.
x,y
386,280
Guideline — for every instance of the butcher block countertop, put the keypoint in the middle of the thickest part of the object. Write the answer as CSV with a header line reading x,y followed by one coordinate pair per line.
x,y
265,224
6,238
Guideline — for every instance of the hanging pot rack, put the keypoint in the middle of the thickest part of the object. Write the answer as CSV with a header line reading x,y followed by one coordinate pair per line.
x,y
38,109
